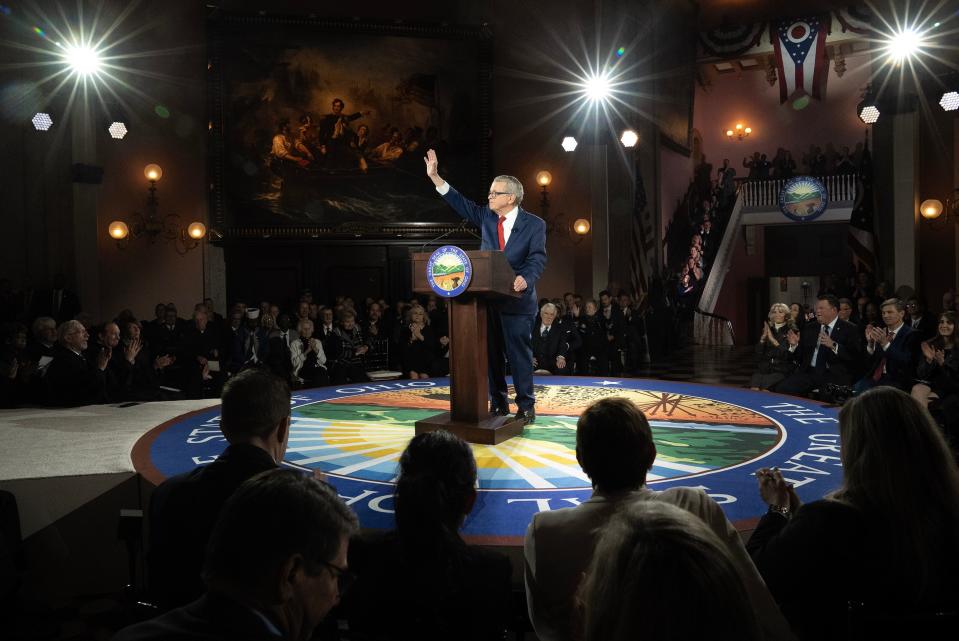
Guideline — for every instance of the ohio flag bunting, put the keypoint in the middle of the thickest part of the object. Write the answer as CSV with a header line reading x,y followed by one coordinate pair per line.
x,y
800,46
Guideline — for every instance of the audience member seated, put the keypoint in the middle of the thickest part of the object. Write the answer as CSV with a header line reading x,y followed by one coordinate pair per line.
x,y
200,352
44,339
276,565
17,373
889,537
252,347
280,358
594,354
421,580
146,370
660,573
891,350
117,372
614,446
920,320
71,379
350,348
776,362
829,352
308,358
937,385
418,344
551,343
255,420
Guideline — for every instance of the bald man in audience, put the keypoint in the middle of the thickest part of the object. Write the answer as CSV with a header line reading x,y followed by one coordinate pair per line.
x,y
71,379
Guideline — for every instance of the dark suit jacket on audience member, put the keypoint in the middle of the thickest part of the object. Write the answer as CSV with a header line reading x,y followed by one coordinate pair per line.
x,y
71,380
828,554
900,360
279,359
183,511
547,349
842,367
213,617
465,595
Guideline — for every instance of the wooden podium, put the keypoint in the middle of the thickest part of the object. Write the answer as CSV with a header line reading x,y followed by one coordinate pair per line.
x,y
469,416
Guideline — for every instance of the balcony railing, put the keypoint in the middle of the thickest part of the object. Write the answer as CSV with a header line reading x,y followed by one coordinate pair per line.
x,y
763,194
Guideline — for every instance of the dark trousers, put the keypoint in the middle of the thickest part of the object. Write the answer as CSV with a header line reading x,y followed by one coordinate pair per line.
x,y
348,373
510,335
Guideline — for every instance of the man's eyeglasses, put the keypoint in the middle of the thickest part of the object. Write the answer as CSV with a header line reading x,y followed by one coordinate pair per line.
x,y
344,578
494,194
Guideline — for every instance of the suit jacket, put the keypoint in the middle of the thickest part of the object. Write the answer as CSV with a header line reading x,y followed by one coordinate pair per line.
x,y
559,547
927,327
525,250
462,592
546,350
900,359
842,367
212,617
279,358
71,381
183,511
827,555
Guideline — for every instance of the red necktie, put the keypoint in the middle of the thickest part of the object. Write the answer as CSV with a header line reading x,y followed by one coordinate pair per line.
x,y
500,233
881,368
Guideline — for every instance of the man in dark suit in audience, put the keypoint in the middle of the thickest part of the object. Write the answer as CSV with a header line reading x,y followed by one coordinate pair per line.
x,y
255,421
551,343
891,350
276,565
279,358
920,321
830,351
71,379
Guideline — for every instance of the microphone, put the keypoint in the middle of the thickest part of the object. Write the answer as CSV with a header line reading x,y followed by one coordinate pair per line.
x,y
461,227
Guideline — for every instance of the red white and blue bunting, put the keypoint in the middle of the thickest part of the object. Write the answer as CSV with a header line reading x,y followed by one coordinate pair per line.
x,y
857,18
730,42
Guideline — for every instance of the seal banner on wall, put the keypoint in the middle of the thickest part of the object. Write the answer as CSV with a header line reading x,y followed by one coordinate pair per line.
x,y
803,199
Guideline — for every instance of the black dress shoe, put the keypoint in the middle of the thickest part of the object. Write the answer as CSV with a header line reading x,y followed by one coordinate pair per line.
x,y
527,416
498,410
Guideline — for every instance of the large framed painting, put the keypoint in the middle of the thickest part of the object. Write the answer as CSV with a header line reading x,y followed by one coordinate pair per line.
x,y
318,128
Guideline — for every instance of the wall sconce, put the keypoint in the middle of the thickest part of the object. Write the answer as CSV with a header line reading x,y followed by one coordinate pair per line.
x,y
576,230
151,226
543,179
939,214
739,132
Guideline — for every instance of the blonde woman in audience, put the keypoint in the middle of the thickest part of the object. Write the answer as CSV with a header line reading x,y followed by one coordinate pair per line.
x,y
660,574
889,537
775,362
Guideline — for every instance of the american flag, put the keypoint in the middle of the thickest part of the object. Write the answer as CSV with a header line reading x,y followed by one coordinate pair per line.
x,y
862,235
641,241
800,47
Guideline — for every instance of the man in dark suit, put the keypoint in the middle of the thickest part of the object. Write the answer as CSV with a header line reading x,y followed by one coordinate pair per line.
x,y
830,351
891,350
255,420
522,237
279,359
276,565
71,380
551,343
920,321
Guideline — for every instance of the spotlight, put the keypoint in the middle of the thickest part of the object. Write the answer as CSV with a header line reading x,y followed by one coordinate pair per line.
x,y
569,143
629,138
84,60
597,88
868,112
904,45
949,101
117,130
42,121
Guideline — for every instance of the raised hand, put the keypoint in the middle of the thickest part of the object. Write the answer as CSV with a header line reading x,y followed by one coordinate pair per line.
x,y
793,337
432,164
928,351
103,358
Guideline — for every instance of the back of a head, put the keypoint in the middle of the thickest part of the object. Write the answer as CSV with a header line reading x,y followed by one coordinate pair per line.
x,y
436,484
897,466
659,573
254,403
614,445
270,517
